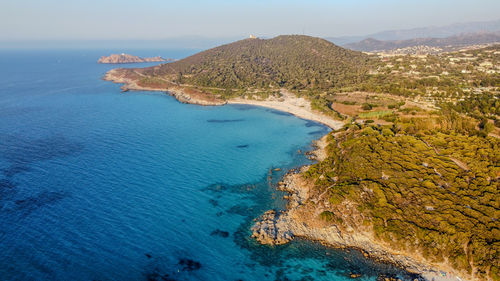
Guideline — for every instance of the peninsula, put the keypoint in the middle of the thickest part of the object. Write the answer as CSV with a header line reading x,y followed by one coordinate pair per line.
x,y
126,58
410,172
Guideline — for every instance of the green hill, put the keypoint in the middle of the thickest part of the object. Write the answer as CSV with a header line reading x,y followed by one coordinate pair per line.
x,y
289,61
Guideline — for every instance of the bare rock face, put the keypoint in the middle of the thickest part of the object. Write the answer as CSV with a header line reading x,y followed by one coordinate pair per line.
x,y
184,97
266,230
126,58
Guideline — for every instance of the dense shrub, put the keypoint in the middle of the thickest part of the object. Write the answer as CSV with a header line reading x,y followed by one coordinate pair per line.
x,y
436,193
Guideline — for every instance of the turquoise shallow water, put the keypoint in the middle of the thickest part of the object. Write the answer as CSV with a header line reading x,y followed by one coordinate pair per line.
x,y
100,185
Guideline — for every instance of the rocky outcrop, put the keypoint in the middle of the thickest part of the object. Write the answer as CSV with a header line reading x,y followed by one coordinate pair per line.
x,y
266,232
194,97
126,58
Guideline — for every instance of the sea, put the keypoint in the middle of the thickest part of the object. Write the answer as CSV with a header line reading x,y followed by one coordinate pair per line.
x,y
96,184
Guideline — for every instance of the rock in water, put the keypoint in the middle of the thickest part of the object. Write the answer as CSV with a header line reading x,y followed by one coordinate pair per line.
x,y
266,231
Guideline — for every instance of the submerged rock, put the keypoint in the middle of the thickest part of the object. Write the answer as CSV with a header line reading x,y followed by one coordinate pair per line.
x,y
213,202
221,233
189,265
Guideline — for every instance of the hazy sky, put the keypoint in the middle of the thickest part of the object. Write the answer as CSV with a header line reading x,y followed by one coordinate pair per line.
x,y
159,19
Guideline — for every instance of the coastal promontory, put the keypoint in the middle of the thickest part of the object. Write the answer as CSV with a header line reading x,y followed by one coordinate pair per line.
x,y
126,58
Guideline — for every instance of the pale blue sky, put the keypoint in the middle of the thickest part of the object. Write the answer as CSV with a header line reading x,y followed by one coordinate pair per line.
x,y
160,19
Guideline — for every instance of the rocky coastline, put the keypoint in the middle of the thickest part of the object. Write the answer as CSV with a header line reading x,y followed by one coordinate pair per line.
x,y
302,219
191,96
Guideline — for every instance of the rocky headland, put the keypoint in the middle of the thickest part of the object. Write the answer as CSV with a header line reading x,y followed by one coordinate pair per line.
x,y
126,58
131,80
302,218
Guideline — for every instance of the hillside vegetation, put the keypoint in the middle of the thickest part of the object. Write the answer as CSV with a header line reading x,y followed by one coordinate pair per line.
x,y
429,191
289,61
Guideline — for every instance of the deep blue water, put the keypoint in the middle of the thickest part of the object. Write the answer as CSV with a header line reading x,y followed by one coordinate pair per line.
x,y
96,184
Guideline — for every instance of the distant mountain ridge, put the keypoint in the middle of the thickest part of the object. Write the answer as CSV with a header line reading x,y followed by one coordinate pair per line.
x,y
371,44
423,32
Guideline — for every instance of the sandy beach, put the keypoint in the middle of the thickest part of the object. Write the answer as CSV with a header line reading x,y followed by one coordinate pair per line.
x,y
292,104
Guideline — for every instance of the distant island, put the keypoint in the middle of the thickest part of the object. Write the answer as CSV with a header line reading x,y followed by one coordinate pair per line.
x,y
410,173
126,58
